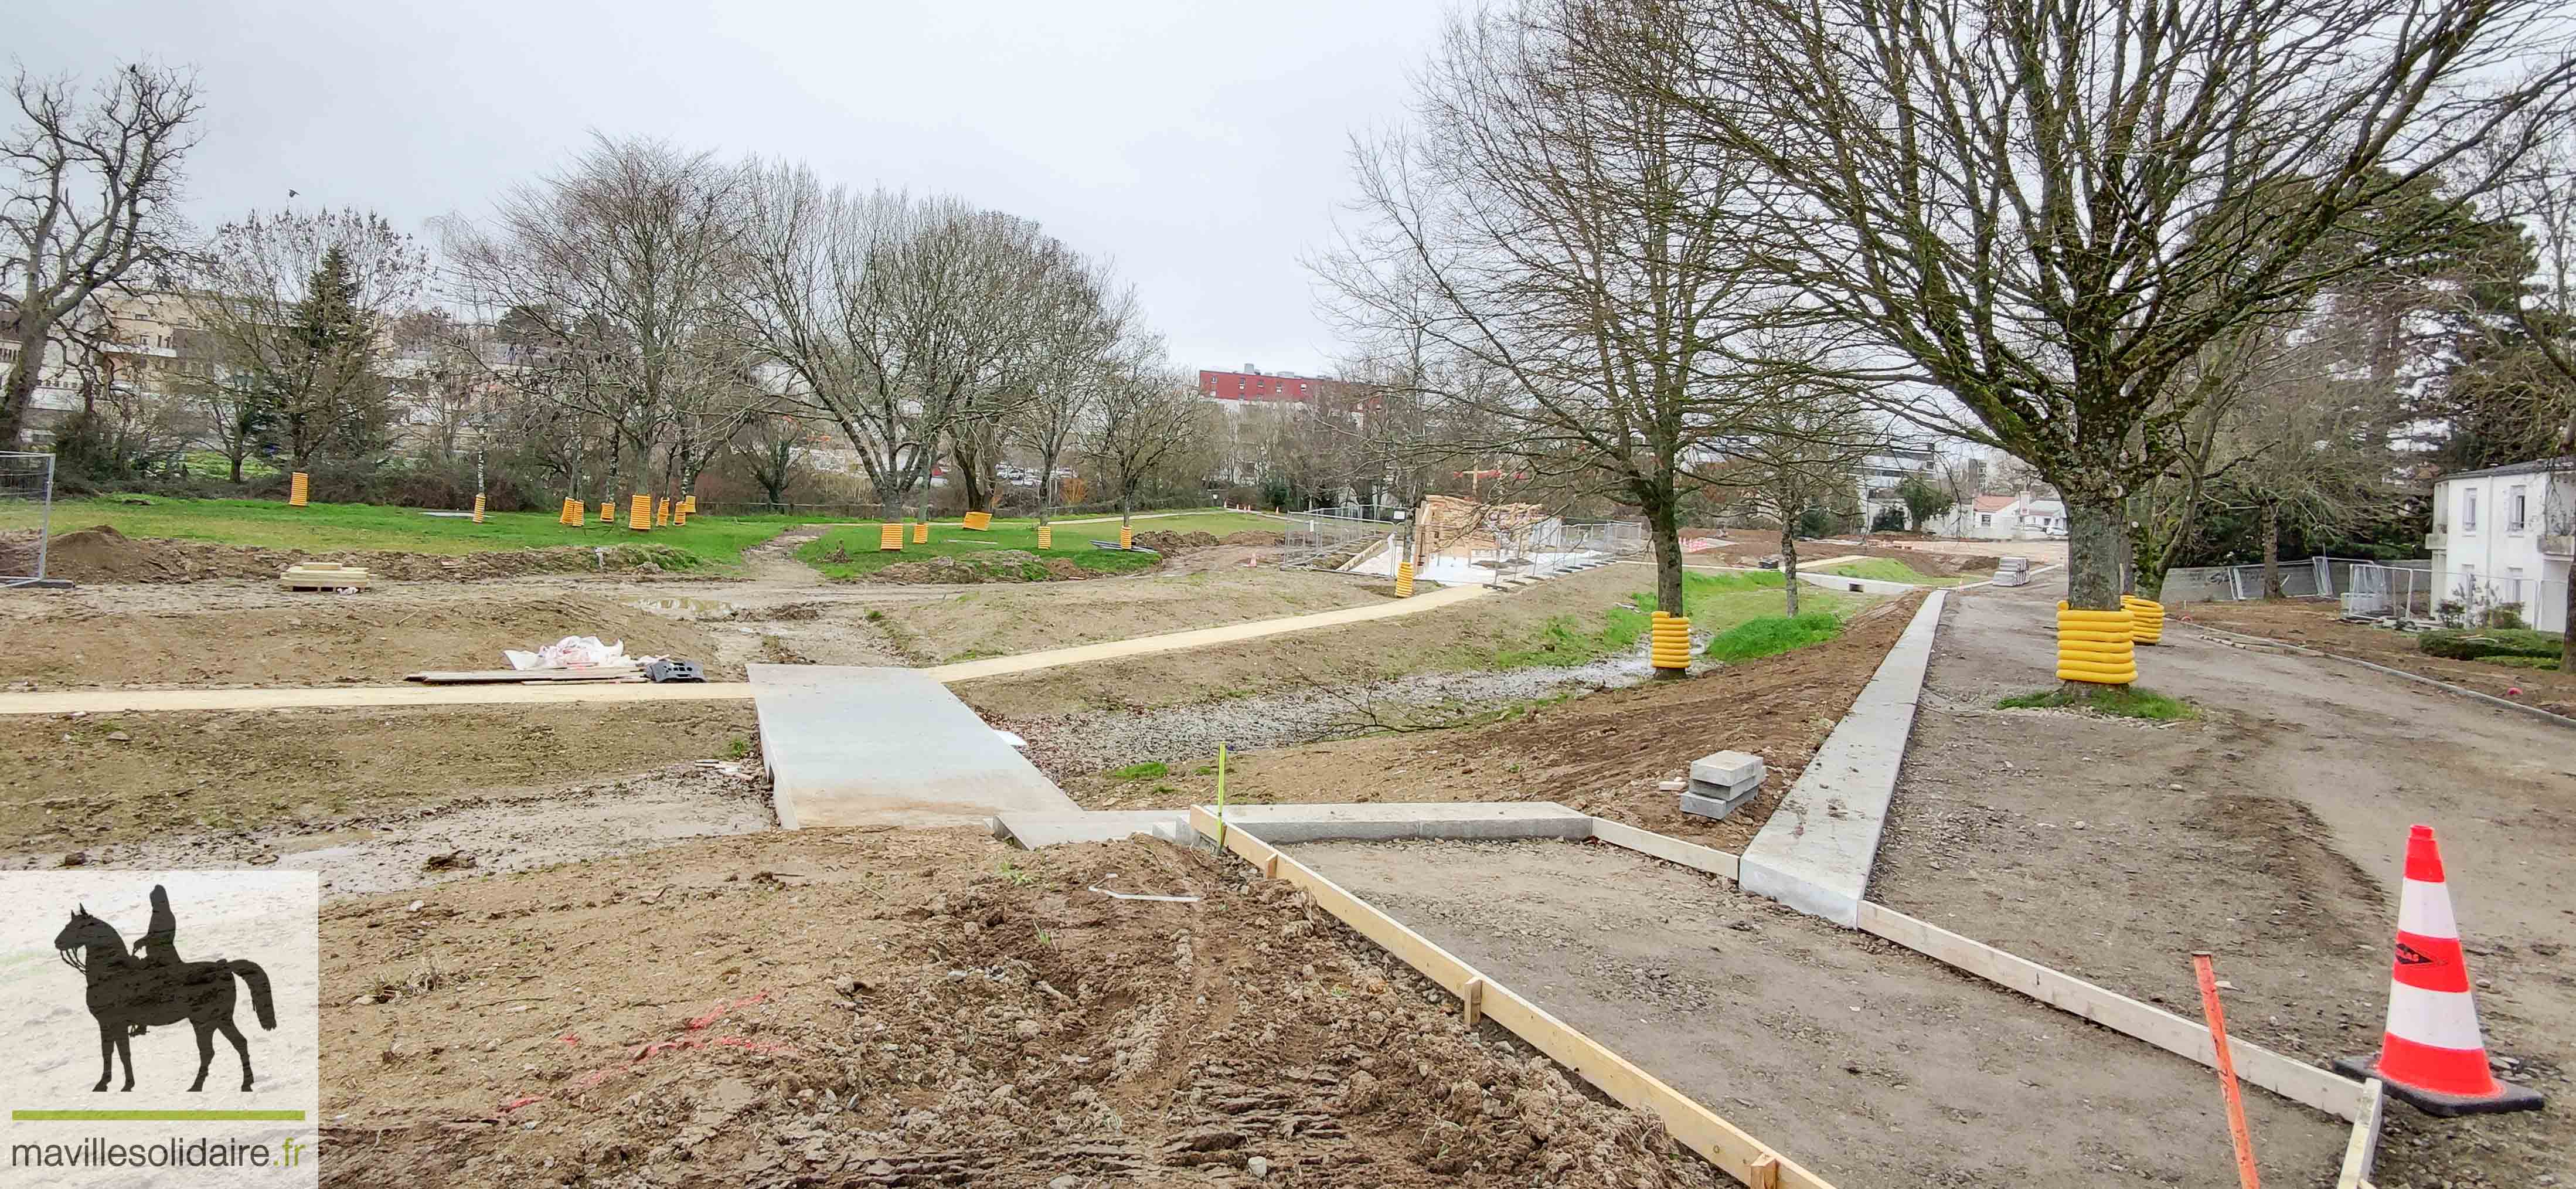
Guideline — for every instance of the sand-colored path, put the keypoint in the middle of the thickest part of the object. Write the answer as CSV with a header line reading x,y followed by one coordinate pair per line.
x,y
140,700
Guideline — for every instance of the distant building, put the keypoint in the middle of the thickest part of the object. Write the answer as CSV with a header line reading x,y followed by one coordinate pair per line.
x,y
1881,474
2023,517
2504,537
1252,385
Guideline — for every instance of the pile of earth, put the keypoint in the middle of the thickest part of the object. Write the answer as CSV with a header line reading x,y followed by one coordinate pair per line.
x,y
103,554
928,1008
1000,565
1168,543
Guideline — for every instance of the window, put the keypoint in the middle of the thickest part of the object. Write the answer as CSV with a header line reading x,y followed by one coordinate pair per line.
x,y
1985,520
2469,510
2517,510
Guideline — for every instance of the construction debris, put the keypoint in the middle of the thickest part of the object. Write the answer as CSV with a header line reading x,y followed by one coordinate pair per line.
x,y
323,575
2012,571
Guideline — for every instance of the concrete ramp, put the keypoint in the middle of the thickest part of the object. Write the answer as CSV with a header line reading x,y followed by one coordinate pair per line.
x,y
849,745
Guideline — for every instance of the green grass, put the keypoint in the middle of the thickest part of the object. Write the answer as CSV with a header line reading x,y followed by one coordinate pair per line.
x,y
1714,602
1770,635
1149,770
1888,569
2114,701
271,524
2489,644
2545,663
851,551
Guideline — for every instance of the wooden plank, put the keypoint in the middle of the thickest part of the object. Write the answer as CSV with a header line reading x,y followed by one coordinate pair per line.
x,y
2362,1150
1671,850
1472,1001
477,676
1720,1142
1766,1174
2302,1083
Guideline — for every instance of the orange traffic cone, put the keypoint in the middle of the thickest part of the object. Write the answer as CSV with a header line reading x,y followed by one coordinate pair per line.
x,y
2433,1055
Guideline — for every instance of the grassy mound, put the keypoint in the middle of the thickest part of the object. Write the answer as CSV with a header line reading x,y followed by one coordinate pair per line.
x,y
1771,635
2112,701
1888,569
852,553
2480,644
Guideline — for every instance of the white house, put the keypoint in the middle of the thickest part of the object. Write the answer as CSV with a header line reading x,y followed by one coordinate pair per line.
x,y
2023,517
1880,475
2502,538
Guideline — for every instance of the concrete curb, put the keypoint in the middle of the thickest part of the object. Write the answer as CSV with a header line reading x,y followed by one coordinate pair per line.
x,y
1380,821
1815,853
2463,691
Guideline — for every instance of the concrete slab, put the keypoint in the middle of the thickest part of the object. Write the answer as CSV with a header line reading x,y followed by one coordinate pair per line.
x,y
851,745
1815,853
1862,585
1280,825
1034,830
1727,768
1718,803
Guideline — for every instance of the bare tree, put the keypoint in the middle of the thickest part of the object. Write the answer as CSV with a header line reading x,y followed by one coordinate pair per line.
x,y
1563,243
293,309
2045,210
616,276
1806,452
774,451
1147,419
92,187
1096,335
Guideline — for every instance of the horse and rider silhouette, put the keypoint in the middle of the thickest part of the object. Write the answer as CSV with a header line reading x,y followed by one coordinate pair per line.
x,y
128,994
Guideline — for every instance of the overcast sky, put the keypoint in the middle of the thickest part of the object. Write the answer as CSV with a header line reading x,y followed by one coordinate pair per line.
x,y
1199,144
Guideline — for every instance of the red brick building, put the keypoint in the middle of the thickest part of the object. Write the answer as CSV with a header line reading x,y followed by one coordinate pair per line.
x,y
1254,385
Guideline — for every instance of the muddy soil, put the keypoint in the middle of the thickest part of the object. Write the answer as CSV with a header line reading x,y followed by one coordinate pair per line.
x,y
2271,831
1002,620
929,1008
2317,623
70,784
103,554
1603,753
1867,1063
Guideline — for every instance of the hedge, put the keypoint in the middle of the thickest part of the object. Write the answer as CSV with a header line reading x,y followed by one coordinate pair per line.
x,y
2481,643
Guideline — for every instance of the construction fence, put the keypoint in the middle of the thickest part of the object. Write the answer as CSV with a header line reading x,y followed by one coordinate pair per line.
x,y
2405,590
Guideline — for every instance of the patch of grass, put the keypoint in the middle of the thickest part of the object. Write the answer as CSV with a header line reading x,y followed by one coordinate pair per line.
x,y
1888,569
2489,644
2546,663
271,524
1149,770
1770,635
1715,602
876,617
1017,874
738,748
853,553
2113,701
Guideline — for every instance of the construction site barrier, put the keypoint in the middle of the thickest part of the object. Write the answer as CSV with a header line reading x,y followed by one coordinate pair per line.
x,y
478,507
1671,643
979,522
2095,646
1046,537
2146,619
639,514
890,537
298,489
1404,580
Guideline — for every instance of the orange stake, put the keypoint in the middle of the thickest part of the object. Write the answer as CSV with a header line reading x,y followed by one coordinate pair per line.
x,y
2226,1070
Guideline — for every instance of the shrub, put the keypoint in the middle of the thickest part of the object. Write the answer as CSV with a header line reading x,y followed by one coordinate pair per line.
x,y
1771,635
2480,644
2549,663
1888,520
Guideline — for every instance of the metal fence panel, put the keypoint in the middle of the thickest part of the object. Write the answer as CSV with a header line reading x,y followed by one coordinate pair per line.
x,y
28,479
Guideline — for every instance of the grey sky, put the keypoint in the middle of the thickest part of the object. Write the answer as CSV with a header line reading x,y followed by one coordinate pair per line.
x,y
1201,145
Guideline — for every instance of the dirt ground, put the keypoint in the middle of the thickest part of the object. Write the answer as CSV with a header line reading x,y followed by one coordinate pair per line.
x,y
1865,1062
2318,624
72,784
1931,555
1603,753
2271,831
1201,588
103,554
840,1008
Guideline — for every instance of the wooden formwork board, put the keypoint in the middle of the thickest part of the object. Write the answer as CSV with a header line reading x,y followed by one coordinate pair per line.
x,y
2362,1150
2298,1081
1723,1144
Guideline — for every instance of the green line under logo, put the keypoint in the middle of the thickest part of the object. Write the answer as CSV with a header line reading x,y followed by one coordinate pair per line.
x,y
156,1116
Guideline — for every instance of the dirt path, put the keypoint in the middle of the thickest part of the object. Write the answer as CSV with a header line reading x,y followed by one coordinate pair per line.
x,y
2270,831
1873,1066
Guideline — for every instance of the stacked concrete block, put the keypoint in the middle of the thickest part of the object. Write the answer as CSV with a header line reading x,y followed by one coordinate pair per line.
x,y
2012,571
1720,784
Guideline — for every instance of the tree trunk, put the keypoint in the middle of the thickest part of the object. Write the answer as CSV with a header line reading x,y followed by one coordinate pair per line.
x,y
20,394
2093,553
2271,531
1046,483
1789,564
1663,521
2567,622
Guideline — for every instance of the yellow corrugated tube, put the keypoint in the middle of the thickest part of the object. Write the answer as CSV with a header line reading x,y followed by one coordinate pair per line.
x,y
1671,642
2095,646
2146,619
